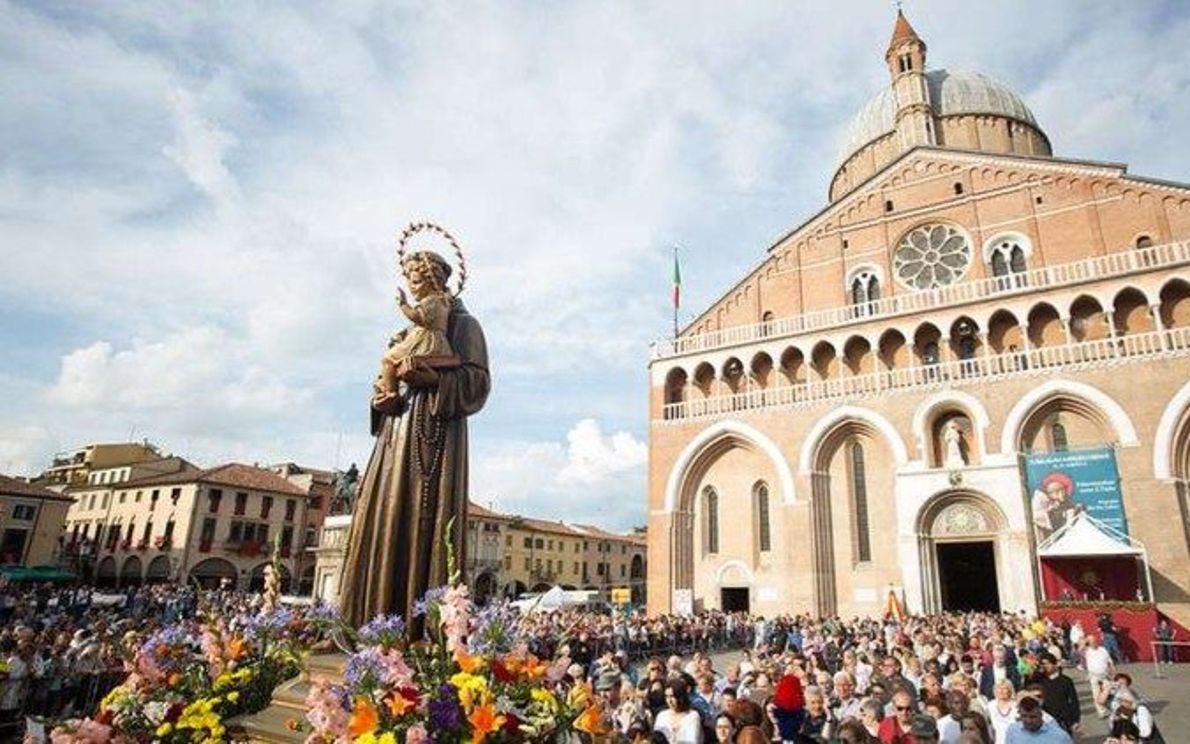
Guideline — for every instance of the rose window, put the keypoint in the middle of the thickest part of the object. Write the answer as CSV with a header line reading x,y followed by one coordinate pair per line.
x,y
932,256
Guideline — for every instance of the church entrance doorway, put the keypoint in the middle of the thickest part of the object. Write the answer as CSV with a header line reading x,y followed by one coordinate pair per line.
x,y
967,576
733,599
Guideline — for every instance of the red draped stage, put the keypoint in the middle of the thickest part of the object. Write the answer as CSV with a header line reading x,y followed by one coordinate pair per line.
x,y
1134,622
1112,578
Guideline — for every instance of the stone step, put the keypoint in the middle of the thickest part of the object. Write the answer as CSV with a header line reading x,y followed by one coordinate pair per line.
x,y
289,702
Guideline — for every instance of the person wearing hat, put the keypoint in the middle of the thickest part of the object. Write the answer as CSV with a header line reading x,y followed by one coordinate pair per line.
x,y
1129,709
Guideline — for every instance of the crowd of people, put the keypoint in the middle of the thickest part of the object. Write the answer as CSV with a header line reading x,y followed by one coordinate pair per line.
x,y
972,678
63,648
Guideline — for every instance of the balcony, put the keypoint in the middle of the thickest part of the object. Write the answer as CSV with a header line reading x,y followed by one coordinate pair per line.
x,y
1049,277
480,564
1021,363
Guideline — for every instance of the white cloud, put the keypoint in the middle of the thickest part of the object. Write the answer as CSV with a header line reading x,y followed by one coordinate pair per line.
x,y
593,457
196,371
593,478
229,179
25,450
198,149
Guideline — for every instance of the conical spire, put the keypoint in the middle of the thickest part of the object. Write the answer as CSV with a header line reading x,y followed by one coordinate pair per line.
x,y
902,32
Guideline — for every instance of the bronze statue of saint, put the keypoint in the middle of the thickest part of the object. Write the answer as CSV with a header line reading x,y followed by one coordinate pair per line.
x,y
415,483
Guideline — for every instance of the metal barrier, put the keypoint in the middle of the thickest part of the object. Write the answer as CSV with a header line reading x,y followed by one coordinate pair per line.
x,y
1157,646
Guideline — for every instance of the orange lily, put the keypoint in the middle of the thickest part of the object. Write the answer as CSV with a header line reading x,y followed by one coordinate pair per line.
x,y
364,719
398,704
469,664
533,668
591,720
235,648
484,721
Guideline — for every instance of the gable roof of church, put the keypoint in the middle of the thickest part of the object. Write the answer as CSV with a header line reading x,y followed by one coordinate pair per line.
x,y
1074,166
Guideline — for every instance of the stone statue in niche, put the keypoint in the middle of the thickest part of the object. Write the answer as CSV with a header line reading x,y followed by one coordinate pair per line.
x,y
952,439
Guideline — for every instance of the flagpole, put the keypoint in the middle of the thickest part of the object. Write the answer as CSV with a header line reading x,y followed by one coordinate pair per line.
x,y
677,291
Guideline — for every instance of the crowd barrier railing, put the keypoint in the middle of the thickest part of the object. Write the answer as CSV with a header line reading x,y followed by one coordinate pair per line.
x,y
1170,648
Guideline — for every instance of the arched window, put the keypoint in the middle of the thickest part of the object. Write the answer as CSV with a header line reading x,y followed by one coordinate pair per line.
x,y
1142,242
1009,259
859,503
999,265
766,323
865,290
711,505
1058,435
1017,262
764,531
929,353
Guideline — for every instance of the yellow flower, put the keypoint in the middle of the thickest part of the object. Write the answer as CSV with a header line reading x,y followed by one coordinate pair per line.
x,y
233,697
469,686
164,729
368,738
387,737
545,697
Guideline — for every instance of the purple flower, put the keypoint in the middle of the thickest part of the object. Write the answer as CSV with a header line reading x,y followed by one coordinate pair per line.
x,y
374,667
495,630
445,713
365,669
323,613
432,599
383,630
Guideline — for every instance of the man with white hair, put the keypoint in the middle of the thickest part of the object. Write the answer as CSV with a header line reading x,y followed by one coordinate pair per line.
x,y
845,703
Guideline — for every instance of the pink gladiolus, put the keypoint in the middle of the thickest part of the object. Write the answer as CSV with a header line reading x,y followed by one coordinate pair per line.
x,y
416,735
456,617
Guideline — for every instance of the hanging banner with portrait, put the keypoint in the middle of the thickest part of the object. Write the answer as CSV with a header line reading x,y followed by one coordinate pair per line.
x,y
1062,484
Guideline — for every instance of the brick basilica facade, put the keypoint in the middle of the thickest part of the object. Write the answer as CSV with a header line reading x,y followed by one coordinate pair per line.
x,y
853,418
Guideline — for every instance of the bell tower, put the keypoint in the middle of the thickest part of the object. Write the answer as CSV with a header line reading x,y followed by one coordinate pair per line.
x,y
906,57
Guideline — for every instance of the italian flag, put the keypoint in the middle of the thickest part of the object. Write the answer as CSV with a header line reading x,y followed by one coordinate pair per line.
x,y
677,281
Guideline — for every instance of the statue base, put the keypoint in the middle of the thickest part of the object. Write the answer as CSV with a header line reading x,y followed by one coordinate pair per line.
x,y
273,724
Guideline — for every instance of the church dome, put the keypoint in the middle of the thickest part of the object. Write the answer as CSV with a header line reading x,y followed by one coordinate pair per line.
x,y
952,92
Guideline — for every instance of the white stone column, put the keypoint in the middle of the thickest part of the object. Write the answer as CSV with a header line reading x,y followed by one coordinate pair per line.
x,y
1159,323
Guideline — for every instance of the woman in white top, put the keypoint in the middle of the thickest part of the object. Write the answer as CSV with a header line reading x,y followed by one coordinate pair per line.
x,y
1002,709
678,722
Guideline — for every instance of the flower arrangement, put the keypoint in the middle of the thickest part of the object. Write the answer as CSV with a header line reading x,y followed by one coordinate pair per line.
x,y
186,680
467,677
470,678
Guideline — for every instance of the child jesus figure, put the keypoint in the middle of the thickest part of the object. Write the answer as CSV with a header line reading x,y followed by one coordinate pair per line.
x,y
424,343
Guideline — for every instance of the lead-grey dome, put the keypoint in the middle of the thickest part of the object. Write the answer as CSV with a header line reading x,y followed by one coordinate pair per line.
x,y
951,92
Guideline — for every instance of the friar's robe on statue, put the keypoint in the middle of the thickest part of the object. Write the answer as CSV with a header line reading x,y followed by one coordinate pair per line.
x,y
397,547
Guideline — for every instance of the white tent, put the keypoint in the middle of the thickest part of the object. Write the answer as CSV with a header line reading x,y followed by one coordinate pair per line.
x,y
1087,537
556,598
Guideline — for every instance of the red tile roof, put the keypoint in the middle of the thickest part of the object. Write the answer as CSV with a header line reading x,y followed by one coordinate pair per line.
x,y
233,474
557,528
902,31
10,486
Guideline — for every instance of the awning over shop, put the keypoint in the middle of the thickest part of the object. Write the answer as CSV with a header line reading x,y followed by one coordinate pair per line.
x,y
36,573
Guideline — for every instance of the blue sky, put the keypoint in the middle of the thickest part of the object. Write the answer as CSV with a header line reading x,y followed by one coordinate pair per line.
x,y
199,201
